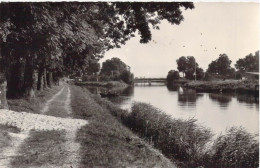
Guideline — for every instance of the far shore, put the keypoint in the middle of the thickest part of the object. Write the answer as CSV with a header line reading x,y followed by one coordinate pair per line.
x,y
219,86
240,86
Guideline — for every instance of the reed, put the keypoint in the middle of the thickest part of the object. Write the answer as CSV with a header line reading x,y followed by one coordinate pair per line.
x,y
185,142
237,148
180,140
191,145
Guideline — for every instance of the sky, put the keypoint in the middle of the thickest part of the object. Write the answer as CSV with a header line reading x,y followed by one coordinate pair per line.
x,y
210,29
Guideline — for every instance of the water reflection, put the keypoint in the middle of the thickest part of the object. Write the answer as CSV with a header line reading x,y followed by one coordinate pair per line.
x,y
188,97
173,87
214,110
249,99
129,91
222,99
125,95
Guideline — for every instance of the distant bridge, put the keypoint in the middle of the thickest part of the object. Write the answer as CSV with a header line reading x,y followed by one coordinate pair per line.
x,y
149,81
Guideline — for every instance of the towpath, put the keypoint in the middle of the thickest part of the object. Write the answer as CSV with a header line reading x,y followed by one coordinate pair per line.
x,y
55,116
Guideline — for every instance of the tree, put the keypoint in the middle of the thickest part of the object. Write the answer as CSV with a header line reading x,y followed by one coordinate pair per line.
x,y
199,73
93,67
116,69
248,64
182,64
172,76
220,66
54,38
188,66
127,77
113,66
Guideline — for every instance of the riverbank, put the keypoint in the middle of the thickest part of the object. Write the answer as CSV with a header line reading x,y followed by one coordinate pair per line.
x,y
240,86
107,85
103,142
185,142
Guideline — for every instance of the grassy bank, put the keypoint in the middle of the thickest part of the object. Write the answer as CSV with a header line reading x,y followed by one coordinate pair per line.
x,y
242,86
108,85
105,142
185,142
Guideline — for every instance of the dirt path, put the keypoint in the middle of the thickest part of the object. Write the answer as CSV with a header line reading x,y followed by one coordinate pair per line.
x,y
63,102
59,106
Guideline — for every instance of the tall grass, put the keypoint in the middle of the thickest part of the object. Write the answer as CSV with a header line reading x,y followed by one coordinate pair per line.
x,y
180,140
187,142
237,148
106,142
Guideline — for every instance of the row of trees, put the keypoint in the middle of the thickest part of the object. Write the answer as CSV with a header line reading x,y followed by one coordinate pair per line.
x,y
40,42
220,67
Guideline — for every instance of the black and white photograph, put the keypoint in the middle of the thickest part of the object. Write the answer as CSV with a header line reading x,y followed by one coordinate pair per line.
x,y
129,84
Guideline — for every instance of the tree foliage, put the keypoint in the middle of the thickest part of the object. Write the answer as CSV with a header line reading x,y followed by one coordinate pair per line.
x,y
172,76
113,66
115,69
127,77
248,64
220,66
54,38
188,66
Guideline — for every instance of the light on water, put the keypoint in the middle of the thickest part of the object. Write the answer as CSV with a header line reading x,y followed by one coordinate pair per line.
x,y
214,110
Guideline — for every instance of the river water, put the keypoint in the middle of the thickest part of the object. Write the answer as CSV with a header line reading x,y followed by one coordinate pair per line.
x,y
214,110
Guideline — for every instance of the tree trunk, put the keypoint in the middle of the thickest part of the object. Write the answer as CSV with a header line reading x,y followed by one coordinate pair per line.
x,y
40,78
3,83
28,90
44,78
49,79
55,78
15,80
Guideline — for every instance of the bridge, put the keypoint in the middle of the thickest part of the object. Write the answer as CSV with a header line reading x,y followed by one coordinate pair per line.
x,y
149,81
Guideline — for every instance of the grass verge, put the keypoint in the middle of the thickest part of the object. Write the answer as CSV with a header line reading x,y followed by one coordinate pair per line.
x,y
41,148
105,142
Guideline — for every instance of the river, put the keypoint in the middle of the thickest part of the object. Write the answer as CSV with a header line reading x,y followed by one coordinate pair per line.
x,y
213,110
